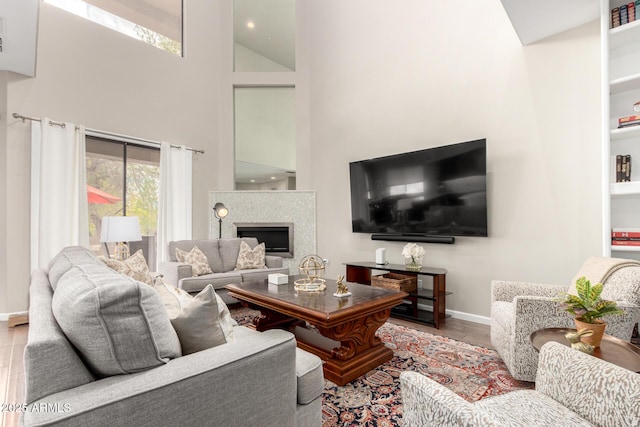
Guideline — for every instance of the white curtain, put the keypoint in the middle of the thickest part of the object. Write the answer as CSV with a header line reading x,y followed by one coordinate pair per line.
x,y
174,204
59,208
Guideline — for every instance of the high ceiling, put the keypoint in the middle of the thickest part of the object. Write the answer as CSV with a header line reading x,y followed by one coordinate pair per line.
x,y
535,20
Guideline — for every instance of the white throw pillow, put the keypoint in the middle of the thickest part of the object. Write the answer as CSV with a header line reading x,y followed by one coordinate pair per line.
x,y
250,258
202,321
196,258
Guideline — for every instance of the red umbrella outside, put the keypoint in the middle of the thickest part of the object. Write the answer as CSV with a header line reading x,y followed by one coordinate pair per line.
x,y
100,197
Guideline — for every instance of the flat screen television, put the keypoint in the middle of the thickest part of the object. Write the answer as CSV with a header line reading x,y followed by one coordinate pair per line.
x,y
440,191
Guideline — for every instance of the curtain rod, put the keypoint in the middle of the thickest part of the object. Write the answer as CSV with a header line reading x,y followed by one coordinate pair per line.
x,y
105,134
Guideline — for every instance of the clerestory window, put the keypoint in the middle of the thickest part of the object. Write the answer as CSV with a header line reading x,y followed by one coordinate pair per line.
x,y
156,22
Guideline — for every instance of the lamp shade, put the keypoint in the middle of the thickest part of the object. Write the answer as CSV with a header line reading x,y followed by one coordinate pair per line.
x,y
220,210
120,229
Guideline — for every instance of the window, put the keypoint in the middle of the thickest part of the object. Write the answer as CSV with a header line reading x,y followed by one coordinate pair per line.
x,y
123,179
158,23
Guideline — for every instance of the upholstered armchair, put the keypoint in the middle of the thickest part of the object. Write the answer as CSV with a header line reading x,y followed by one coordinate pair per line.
x,y
518,309
572,389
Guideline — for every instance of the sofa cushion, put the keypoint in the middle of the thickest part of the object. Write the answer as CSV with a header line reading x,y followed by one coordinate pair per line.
x,y
250,258
66,259
195,319
135,267
198,261
521,407
309,375
218,280
230,248
118,324
208,247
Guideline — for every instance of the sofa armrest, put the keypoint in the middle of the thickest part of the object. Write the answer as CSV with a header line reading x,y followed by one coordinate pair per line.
x,y
237,383
502,290
599,391
173,271
427,403
273,261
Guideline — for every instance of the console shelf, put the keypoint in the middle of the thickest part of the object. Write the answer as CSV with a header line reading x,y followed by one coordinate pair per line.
x,y
360,272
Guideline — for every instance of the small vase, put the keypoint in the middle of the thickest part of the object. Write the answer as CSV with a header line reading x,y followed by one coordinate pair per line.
x,y
597,328
413,263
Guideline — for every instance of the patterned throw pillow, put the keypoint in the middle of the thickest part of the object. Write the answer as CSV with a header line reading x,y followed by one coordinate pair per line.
x,y
201,322
250,258
198,260
135,267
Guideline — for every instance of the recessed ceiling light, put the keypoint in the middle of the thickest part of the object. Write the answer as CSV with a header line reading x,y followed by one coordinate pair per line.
x,y
250,24
273,177
253,180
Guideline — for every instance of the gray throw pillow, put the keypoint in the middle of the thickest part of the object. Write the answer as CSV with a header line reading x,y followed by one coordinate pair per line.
x,y
118,324
197,320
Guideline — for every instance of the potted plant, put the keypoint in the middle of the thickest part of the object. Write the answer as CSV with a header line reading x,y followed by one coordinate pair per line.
x,y
588,309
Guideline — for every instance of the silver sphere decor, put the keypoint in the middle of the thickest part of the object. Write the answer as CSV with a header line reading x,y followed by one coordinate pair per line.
x,y
311,266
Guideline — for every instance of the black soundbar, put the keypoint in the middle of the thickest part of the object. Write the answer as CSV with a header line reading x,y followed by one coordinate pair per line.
x,y
414,238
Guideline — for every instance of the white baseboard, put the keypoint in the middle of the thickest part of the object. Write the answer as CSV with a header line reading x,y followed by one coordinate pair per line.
x,y
5,316
476,318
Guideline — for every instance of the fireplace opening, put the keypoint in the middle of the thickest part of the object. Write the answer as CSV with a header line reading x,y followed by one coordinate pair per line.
x,y
276,236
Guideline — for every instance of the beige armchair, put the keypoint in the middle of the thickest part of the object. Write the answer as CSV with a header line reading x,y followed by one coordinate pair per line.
x,y
518,309
572,389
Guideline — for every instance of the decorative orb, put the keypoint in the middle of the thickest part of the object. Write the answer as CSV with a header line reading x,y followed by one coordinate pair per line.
x,y
311,266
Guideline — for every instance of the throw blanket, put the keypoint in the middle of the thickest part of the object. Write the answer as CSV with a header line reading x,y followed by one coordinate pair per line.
x,y
598,270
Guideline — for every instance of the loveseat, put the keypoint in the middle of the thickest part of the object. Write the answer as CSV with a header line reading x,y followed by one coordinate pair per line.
x,y
572,389
222,256
101,350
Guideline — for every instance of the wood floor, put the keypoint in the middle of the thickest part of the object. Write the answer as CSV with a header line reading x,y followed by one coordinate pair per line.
x,y
13,340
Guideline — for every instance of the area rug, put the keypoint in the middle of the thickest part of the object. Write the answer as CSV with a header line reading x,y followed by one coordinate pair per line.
x,y
375,399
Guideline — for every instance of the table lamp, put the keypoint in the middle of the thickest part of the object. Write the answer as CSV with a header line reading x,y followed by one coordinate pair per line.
x,y
120,229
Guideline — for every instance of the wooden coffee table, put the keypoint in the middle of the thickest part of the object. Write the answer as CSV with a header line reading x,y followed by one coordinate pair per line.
x,y
347,341
612,349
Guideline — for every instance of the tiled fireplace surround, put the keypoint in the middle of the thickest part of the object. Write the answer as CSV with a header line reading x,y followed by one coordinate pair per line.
x,y
297,207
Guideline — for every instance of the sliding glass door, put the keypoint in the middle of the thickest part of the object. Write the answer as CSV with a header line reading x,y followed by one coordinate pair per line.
x,y
123,179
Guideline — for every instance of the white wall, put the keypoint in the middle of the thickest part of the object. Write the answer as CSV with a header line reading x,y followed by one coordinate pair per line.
x,y
387,79
95,76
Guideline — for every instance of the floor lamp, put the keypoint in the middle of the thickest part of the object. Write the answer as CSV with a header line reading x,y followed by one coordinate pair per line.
x,y
220,211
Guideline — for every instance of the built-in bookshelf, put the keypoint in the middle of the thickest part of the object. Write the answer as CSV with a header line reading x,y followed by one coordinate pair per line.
x,y
620,90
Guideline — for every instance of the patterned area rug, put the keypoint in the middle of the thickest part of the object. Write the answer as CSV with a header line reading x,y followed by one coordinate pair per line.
x,y
375,399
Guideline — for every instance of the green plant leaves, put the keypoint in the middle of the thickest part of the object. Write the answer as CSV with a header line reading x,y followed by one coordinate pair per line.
x,y
588,305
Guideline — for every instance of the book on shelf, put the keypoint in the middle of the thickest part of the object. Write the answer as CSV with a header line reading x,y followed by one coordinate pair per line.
x,y
623,168
625,242
615,17
631,11
627,119
625,239
629,124
625,230
637,8
624,17
622,235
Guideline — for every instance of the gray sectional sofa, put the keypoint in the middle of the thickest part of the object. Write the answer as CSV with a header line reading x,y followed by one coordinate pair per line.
x,y
222,255
86,363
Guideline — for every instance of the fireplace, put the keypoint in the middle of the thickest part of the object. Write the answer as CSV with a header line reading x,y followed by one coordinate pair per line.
x,y
276,236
